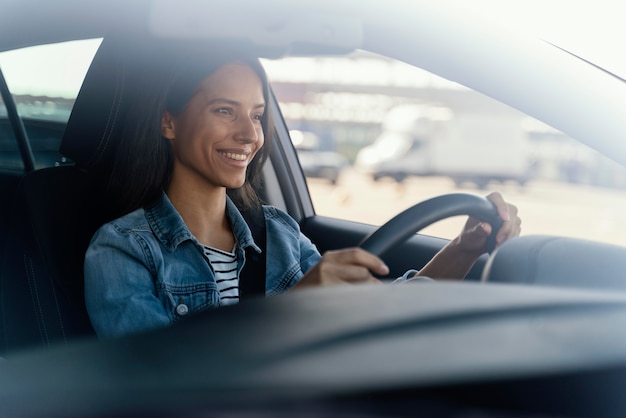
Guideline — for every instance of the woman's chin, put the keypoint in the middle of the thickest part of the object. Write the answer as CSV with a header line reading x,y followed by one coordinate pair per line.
x,y
235,184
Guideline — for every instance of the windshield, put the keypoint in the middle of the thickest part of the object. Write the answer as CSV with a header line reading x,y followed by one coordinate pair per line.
x,y
592,30
542,170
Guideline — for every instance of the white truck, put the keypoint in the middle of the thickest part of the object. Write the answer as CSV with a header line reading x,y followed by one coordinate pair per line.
x,y
434,141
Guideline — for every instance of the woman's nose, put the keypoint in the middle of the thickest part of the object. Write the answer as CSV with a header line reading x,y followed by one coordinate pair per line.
x,y
249,130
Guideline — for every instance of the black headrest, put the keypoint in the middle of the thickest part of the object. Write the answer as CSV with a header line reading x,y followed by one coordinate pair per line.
x,y
96,112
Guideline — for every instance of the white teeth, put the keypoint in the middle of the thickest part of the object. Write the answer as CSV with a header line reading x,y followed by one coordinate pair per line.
x,y
236,157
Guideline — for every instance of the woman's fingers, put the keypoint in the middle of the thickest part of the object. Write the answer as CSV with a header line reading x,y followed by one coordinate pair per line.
x,y
511,226
475,233
350,265
357,257
501,205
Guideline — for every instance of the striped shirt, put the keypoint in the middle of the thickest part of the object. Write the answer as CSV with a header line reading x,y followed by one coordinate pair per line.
x,y
225,268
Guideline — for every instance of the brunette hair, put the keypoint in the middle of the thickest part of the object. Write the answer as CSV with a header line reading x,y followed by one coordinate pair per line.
x,y
143,162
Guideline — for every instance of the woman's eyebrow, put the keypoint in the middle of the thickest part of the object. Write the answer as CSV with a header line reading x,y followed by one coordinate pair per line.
x,y
232,102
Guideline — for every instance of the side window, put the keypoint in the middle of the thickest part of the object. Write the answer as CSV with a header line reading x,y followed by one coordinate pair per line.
x,y
44,82
9,153
375,136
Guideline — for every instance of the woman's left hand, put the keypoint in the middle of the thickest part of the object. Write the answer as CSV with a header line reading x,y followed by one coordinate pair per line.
x,y
473,238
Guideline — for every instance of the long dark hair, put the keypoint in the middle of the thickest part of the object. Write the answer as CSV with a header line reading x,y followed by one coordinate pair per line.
x,y
144,160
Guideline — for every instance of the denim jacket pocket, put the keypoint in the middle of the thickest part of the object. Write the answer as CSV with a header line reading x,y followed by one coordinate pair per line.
x,y
181,301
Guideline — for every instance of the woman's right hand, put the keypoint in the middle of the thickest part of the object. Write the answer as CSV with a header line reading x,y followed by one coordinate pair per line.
x,y
345,266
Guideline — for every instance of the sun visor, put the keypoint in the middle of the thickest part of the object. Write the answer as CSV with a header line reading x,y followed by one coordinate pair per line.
x,y
297,30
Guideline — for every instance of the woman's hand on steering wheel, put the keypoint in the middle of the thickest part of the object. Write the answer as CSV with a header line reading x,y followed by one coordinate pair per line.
x,y
357,265
473,237
345,266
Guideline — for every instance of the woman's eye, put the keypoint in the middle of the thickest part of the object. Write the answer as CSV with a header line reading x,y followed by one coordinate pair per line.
x,y
224,111
257,117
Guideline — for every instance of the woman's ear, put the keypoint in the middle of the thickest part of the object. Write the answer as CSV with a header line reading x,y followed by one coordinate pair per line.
x,y
168,128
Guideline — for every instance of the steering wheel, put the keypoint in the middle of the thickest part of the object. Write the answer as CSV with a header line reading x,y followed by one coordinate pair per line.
x,y
399,228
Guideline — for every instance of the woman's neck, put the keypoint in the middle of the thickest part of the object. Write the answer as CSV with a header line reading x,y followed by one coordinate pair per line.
x,y
204,213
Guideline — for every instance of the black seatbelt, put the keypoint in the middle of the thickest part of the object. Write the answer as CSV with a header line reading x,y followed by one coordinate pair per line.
x,y
252,276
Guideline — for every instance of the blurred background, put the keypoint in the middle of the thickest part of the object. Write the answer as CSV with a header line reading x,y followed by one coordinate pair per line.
x,y
376,136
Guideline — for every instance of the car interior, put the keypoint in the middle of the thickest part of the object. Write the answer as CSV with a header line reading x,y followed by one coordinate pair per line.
x,y
54,211
521,336
50,214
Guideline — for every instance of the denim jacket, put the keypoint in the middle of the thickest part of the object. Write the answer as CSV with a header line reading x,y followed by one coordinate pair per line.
x,y
146,270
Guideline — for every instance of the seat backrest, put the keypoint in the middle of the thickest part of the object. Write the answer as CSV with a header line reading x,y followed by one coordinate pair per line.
x,y
8,185
55,213
40,289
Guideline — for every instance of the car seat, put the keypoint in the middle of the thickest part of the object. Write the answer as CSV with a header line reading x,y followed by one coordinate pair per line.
x,y
55,213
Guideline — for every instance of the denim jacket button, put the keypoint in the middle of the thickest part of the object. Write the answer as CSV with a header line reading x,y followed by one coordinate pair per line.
x,y
182,309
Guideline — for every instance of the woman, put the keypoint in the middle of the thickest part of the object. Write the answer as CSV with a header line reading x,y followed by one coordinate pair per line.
x,y
195,153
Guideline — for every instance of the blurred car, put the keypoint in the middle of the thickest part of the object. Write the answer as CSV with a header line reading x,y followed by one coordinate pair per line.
x,y
315,162
536,329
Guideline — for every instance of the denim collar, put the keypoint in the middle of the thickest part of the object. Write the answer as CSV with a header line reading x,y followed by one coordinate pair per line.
x,y
168,226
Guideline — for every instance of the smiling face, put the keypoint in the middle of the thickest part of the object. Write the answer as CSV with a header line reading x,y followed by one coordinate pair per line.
x,y
219,132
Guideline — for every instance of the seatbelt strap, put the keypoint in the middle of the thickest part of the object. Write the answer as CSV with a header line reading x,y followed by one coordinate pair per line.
x,y
252,276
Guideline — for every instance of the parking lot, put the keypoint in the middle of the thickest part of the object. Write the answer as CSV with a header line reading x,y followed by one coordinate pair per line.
x,y
545,207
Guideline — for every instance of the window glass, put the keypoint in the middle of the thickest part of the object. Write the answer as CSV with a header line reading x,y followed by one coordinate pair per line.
x,y
44,82
376,136
9,153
